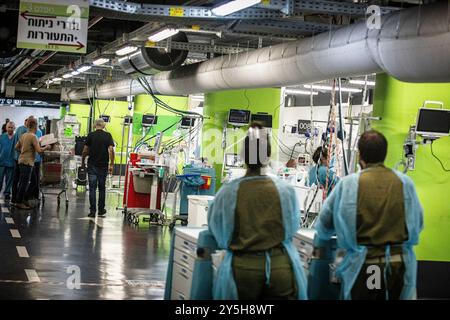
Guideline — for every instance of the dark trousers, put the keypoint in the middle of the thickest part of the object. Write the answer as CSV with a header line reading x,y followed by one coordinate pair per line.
x,y
393,284
97,178
24,182
250,276
16,177
6,175
33,190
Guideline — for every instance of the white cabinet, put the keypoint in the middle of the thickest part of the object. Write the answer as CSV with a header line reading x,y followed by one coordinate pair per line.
x,y
303,241
184,257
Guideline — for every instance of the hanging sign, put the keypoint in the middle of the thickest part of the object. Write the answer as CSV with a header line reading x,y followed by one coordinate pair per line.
x,y
54,25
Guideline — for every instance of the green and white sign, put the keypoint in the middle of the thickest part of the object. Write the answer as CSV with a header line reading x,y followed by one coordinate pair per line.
x,y
54,25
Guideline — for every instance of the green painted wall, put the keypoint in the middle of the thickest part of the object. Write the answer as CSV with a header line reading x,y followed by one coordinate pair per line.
x,y
144,104
115,109
216,107
397,103
82,113
118,109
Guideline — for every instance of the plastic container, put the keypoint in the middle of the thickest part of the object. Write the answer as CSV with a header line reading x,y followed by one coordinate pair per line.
x,y
198,210
142,183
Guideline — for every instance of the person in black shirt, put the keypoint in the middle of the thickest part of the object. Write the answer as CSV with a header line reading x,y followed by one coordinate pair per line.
x,y
99,148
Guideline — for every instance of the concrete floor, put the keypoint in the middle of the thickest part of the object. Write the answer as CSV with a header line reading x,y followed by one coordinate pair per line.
x,y
43,249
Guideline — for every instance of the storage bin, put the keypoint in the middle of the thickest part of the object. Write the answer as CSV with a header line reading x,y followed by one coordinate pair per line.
x,y
198,210
142,184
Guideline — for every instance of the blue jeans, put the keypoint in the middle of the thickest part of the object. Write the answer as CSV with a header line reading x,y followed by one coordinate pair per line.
x,y
97,178
6,174
24,182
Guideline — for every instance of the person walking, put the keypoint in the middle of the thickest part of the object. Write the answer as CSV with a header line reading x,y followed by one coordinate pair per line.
x,y
99,149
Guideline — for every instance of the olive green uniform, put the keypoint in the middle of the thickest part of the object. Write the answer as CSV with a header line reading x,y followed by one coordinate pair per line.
x,y
259,229
380,221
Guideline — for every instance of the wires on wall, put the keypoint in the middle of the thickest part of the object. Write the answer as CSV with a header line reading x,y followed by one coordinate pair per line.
x,y
439,160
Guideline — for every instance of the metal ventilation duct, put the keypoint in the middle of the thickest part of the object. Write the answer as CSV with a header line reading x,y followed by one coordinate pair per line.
x,y
152,60
412,45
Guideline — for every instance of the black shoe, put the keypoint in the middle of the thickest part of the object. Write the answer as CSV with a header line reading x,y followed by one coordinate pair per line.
x,y
91,215
102,213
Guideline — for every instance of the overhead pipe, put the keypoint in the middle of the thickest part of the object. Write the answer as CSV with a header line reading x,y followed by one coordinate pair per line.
x,y
413,45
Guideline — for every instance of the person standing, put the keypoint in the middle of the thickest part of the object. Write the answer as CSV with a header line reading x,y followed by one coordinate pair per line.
x,y
16,174
28,146
318,173
4,125
377,218
7,159
254,219
33,191
99,149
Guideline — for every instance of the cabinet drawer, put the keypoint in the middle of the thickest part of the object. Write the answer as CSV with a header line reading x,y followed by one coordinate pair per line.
x,y
184,259
186,246
182,280
304,259
175,295
305,247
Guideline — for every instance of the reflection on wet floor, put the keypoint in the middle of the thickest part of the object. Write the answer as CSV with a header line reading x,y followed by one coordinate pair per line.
x,y
104,258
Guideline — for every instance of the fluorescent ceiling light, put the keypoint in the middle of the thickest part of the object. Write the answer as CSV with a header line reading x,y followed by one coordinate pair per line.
x,y
67,75
303,92
75,73
163,34
126,50
330,88
362,82
233,6
56,79
100,61
197,97
83,68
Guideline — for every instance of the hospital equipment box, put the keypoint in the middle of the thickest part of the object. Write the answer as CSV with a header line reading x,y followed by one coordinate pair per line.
x,y
198,210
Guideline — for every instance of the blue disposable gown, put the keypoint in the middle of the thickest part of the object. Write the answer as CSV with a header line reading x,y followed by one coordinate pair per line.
x,y
221,224
6,151
338,217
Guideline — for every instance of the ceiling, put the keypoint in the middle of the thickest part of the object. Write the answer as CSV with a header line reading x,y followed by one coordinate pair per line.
x,y
115,23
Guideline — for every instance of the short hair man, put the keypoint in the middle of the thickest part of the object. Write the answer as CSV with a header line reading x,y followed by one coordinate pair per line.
x,y
7,159
377,218
99,148
28,146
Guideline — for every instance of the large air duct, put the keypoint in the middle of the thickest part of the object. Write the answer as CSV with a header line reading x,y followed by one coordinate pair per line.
x,y
413,45
152,60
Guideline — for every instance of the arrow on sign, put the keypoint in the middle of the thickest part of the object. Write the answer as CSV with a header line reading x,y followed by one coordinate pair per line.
x,y
25,15
79,45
